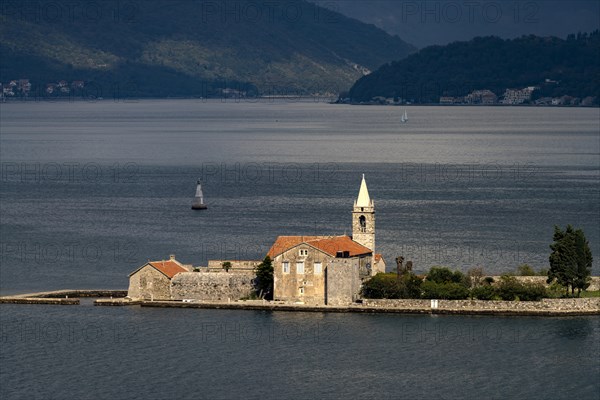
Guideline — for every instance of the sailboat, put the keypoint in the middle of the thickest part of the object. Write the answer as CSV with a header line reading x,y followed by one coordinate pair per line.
x,y
198,203
404,118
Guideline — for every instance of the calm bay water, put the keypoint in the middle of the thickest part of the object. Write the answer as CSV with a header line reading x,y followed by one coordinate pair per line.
x,y
90,191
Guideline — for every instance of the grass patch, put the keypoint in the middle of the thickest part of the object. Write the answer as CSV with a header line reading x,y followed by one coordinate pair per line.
x,y
590,293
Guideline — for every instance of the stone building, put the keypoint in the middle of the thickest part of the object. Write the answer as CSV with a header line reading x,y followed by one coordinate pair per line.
x,y
328,269
301,265
152,281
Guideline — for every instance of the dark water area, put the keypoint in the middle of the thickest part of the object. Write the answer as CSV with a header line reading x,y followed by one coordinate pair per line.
x,y
90,191
137,353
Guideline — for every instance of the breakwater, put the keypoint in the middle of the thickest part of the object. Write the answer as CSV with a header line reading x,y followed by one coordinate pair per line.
x,y
546,307
62,297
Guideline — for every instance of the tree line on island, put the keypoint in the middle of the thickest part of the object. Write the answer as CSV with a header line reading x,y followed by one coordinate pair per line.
x,y
557,67
569,274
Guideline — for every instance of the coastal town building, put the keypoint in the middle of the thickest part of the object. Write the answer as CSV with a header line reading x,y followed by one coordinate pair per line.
x,y
481,97
328,269
518,96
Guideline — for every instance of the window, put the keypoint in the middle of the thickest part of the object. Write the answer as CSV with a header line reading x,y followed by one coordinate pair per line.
x,y
318,268
303,252
300,267
363,223
286,267
301,290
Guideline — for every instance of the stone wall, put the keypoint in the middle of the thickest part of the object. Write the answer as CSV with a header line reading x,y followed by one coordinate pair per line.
x,y
236,265
588,304
343,282
211,286
594,285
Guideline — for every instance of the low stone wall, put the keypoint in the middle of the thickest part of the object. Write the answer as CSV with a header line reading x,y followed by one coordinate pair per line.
x,y
236,265
594,285
211,286
558,305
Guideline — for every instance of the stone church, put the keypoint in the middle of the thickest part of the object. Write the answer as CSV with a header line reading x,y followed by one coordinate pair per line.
x,y
306,269
328,269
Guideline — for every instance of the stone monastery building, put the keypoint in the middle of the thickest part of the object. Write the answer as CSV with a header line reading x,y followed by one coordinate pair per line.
x,y
328,269
307,269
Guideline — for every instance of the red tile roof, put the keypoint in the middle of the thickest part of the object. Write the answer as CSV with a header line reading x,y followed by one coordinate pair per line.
x,y
378,257
287,242
328,244
169,267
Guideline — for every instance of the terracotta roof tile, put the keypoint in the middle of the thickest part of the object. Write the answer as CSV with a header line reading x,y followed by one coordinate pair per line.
x,y
169,267
328,244
282,243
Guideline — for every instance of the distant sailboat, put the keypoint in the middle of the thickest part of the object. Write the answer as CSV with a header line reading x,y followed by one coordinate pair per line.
x,y
404,118
198,203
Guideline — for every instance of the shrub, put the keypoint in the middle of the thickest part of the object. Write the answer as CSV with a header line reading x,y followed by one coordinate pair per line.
x,y
388,286
510,289
533,292
525,270
445,275
488,280
484,292
446,291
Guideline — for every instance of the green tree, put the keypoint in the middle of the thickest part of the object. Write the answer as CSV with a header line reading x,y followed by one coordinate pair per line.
x,y
570,260
263,283
226,265
583,255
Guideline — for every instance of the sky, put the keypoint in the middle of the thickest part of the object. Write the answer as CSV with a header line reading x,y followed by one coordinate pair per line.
x,y
426,22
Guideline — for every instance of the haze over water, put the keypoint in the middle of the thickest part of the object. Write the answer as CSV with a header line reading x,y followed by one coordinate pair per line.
x,y
90,191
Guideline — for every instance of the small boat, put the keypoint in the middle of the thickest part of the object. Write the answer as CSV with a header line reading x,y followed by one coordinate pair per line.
x,y
198,203
404,118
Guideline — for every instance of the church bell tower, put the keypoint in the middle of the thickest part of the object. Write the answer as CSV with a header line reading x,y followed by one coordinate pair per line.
x,y
363,218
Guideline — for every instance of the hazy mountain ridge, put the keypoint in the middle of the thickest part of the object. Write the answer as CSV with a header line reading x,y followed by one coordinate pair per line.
x,y
189,48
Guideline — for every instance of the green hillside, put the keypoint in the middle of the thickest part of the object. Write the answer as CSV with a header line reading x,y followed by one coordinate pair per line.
x,y
192,48
572,65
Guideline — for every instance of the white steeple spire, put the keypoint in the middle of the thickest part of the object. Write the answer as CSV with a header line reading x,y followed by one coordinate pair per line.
x,y
363,199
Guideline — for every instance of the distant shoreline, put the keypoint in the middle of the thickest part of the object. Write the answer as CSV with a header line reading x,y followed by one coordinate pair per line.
x,y
270,99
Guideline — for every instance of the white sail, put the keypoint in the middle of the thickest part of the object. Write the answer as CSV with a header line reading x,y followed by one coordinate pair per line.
x,y
198,203
199,196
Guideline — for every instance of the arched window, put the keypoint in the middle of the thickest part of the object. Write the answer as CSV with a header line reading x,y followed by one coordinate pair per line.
x,y
362,221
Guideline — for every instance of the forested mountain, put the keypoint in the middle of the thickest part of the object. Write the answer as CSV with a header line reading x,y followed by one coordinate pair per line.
x,y
559,67
190,48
